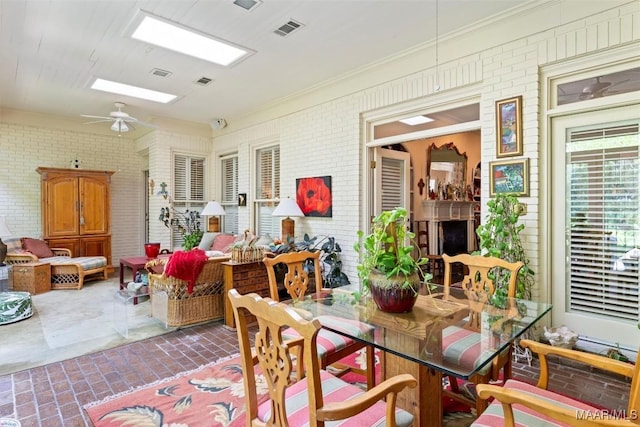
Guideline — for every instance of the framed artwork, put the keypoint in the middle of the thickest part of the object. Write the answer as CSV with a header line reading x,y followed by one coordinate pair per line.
x,y
509,176
242,199
509,127
313,195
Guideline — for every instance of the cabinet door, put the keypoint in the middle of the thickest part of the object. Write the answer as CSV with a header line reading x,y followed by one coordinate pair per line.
x,y
95,246
61,197
94,205
72,244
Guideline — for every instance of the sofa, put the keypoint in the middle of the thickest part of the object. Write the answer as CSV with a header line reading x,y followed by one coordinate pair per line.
x,y
67,272
173,304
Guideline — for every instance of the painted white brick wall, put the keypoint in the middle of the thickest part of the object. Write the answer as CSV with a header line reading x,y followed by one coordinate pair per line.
x,y
24,148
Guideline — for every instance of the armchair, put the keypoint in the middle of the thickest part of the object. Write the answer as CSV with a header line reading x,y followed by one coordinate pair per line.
x,y
303,402
522,403
181,307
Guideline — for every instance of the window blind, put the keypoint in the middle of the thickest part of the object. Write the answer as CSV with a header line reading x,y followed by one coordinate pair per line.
x,y
188,189
229,193
603,180
267,190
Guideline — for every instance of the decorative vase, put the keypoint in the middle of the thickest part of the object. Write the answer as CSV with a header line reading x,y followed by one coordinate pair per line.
x,y
390,295
151,250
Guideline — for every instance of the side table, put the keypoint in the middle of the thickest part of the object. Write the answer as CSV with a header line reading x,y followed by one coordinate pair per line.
x,y
32,277
245,277
135,263
125,315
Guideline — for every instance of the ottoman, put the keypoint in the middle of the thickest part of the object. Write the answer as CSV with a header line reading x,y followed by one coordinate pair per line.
x,y
15,306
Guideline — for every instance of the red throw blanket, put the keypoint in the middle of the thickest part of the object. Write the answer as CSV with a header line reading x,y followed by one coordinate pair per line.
x,y
186,266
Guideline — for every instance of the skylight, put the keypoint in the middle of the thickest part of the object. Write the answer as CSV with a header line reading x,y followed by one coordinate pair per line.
x,y
417,120
187,41
134,91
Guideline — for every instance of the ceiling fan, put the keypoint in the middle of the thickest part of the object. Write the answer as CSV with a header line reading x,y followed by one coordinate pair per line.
x,y
121,121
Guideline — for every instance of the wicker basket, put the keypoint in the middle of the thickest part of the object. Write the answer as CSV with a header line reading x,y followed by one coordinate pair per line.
x,y
205,303
247,254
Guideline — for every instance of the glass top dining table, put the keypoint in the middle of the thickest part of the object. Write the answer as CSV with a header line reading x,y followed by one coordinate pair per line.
x,y
421,335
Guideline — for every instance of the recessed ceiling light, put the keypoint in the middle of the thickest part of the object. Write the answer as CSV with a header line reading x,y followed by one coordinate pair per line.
x,y
417,120
128,90
159,32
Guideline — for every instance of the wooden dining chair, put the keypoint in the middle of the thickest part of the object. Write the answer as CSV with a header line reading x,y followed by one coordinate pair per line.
x,y
478,286
527,404
302,402
332,347
435,264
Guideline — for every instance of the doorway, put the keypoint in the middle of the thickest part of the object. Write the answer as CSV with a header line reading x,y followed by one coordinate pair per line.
x,y
595,204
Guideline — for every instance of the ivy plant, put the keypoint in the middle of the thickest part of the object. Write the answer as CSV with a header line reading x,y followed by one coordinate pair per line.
x,y
500,237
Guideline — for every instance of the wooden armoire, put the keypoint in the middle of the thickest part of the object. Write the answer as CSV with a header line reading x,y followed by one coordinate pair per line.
x,y
76,211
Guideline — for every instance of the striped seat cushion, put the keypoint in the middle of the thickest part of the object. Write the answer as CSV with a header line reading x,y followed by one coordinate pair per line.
x,y
87,262
333,390
493,415
464,347
330,342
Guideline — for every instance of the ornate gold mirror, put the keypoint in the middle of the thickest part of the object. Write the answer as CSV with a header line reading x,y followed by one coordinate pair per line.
x,y
445,164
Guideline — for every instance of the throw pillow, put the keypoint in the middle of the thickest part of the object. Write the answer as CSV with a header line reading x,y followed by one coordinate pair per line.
x,y
39,248
223,242
207,240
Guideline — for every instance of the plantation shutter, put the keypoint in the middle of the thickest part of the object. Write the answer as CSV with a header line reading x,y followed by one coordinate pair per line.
x,y
603,181
392,183
229,193
267,190
188,188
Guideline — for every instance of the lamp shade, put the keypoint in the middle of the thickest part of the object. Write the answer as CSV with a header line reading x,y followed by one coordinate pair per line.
x,y
213,208
288,207
4,230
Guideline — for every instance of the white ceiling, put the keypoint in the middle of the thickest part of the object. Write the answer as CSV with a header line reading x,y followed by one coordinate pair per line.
x,y
51,51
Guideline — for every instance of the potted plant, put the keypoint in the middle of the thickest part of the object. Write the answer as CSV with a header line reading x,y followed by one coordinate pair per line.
x,y
187,223
500,237
387,268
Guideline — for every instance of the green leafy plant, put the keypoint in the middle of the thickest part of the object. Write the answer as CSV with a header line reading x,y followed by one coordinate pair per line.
x,y
187,223
389,249
332,274
500,237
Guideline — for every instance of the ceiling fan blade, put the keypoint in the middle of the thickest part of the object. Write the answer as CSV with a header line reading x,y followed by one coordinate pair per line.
x,y
95,117
97,121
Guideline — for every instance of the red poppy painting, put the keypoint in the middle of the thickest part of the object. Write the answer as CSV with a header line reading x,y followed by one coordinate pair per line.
x,y
313,195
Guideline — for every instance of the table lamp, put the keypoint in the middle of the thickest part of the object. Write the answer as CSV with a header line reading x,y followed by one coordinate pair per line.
x,y
288,208
4,232
213,210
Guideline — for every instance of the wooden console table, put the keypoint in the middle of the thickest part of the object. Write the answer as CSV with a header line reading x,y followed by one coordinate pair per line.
x,y
245,277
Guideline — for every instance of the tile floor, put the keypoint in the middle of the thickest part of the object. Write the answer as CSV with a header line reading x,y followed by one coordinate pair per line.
x,y
53,395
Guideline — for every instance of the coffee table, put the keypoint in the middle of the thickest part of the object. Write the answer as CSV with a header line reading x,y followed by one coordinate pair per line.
x,y
135,263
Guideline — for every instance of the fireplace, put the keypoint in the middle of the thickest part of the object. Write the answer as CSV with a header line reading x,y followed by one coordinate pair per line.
x,y
454,237
451,226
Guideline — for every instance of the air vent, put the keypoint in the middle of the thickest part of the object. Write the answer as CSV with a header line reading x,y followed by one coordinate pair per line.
x,y
248,4
203,81
161,73
288,28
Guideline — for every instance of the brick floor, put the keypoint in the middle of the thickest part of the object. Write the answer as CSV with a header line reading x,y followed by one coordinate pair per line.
x,y
53,395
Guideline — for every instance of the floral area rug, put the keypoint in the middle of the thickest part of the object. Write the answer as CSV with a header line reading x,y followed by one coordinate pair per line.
x,y
212,395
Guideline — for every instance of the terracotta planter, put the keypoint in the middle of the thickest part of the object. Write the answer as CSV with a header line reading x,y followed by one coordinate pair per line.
x,y
390,296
